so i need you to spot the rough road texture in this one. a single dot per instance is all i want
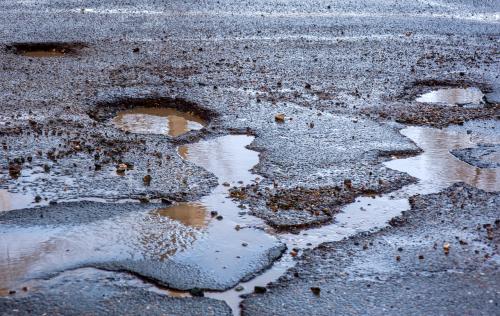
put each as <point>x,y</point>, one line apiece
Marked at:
<point>441,257</point>
<point>102,293</point>
<point>345,74</point>
<point>245,63</point>
<point>482,156</point>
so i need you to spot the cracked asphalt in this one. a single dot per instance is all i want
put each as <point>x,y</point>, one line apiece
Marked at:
<point>345,74</point>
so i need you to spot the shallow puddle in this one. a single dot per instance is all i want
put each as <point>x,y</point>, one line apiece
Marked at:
<point>43,53</point>
<point>161,121</point>
<point>207,237</point>
<point>453,96</point>
<point>215,236</point>
<point>190,214</point>
<point>436,168</point>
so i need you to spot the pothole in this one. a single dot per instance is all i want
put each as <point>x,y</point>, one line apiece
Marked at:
<point>436,168</point>
<point>206,244</point>
<point>161,121</point>
<point>453,96</point>
<point>45,49</point>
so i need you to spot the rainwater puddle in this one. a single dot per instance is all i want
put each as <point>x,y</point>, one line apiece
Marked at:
<point>189,214</point>
<point>42,53</point>
<point>453,96</point>
<point>436,168</point>
<point>215,235</point>
<point>45,50</point>
<point>208,237</point>
<point>161,121</point>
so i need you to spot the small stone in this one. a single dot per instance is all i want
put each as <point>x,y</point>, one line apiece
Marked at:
<point>213,213</point>
<point>147,180</point>
<point>136,50</point>
<point>219,217</point>
<point>398,258</point>
<point>421,257</point>
<point>316,290</point>
<point>237,227</point>
<point>25,288</point>
<point>11,292</point>
<point>239,288</point>
<point>38,198</point>
<point>280,118</point>
<point>446,248</point>
<point>226,184</point>
<point>121,168</point>
<point>259,290</point>
<point>196,292</point>
<point>244,244</point>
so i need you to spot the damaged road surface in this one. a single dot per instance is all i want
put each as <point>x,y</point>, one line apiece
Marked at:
<point>298,157</point>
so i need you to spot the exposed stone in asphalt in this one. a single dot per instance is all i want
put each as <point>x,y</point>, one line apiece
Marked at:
<point>362,274</point>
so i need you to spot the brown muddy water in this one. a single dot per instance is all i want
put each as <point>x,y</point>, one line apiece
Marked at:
<point>43,53</point>
<point>161,121</point>
<point>453,96</point>
<point>189,234</point>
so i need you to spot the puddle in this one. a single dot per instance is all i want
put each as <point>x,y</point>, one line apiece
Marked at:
<point>190,214</point>
<point>12,201</point>
<point>192,235</point>
<point>47,50</point>
<point>161,121</point>
<point>208,238</point>
<point>43,53</point>
<point>453,96</point>
<point>436,168</point>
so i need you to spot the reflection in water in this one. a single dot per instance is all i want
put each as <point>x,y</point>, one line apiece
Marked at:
<point>457,96</point>
<point>190,214</point>
<point>224,156</point>
<point>12,201</point>
<point>154,235</point>
<point>436,168</point>
<point>27,251</point>
<point>181,233</point>
<point>163,121</point>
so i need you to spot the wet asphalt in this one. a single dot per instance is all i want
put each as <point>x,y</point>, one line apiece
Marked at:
<point>345,75</point>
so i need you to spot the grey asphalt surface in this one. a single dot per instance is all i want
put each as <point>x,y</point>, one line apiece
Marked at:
<point>91,292</point>
<point>344,73</point>
<point>403,268</point>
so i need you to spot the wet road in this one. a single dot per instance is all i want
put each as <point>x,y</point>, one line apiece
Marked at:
<point>345,76</point>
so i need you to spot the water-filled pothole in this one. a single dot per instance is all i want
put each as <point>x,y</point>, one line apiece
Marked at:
<point>162,121</point>
<point>453,96</point>
<point>436,168</point>
<point>204,244</point>
<point>228,244</point>
<point>45,49</point>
